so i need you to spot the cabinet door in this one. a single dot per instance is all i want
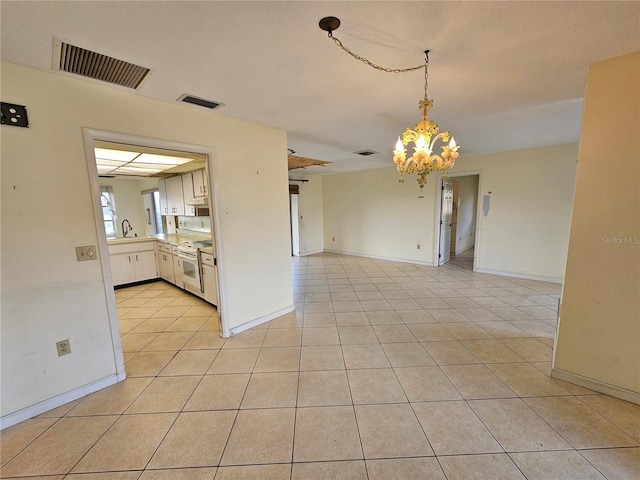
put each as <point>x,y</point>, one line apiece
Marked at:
<point>188,194</point>
<point>145,265</point>
<point>162,189</point>
<point>205,182</point>
<point>166,267</point>
<point>210,284</point>
<point>177,267</point>
<point>122,268</point>
<point>175,198</point>
<point>199,183</point>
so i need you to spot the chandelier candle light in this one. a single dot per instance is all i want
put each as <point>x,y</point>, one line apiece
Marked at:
<point>425,133</point>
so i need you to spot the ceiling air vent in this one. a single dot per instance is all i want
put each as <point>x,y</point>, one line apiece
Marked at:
<point>200,101</point>
<point>79,61</point>
<point>366,153</point>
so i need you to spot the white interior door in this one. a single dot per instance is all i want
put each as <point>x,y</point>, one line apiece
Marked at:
<point>445,221</point>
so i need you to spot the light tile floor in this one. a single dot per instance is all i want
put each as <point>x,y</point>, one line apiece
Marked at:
<point>385,370</point>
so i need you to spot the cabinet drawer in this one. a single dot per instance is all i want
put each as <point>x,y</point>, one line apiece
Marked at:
<point>207,259</point>
<point>174,249</point>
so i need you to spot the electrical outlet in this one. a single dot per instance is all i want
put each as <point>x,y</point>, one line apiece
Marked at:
<point>64,347</point>
<point>88,252</point>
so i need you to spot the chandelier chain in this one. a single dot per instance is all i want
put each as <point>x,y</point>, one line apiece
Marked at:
<point>426,73</point>
<point>378,67</point>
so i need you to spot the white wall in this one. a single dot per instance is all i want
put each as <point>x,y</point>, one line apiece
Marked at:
<point>370,213</point>
<point>129,203</point>
<point>527,229</point>
<point>467,210</point>
<point>598,340</point>
<point>526,232</point>
<point>46,295</point>
<point>310,216</point>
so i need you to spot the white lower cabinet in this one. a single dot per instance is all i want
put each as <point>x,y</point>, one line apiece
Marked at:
<point>133,262</point>
<point>209,278</point>
<point>141,260</point>
<point>166,264</point>
<point>177,267</point>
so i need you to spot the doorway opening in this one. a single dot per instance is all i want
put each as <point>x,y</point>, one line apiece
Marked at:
<point>150,217</point>
<point>457,222</point>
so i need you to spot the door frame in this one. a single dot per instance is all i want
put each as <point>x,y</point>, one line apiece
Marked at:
<point>438,214</point>
<point>295,226</point>
<point>90,136</point>
<point>438,260</point>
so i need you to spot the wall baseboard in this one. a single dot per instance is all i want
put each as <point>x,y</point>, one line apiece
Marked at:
<point>59,400</point>
<point>465,249</point>
<point>310,253</point>
<point>378,257</point>
<point>596,385</point>
<point>520,275</point>
<point>260,320</point>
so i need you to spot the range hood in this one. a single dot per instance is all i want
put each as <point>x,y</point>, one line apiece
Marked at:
<point>198,202</point>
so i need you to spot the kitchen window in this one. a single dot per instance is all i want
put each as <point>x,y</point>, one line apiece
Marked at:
<point>109,215</point>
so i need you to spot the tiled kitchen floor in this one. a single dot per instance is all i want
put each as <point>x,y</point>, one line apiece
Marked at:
<point>386,370</point>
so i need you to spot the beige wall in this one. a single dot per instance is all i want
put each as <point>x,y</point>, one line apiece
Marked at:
<point>526,232</point>
<point>369,213</point>
<point>599,333</point>
<point>47,210</point>
<point>527,229</point>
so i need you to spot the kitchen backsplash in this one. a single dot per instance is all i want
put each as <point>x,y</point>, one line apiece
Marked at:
<point>195,224</point>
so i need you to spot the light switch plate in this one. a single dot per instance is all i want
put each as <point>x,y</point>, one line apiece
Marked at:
<point>87,252</point>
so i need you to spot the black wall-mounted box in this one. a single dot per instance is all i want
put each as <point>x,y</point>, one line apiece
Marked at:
<point>12,114</point>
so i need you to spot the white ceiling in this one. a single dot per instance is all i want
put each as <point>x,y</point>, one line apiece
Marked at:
<point>503,75</point>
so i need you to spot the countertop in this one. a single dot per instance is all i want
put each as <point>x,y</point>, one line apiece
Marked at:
<point>172,238</point>
<point>120,240</point>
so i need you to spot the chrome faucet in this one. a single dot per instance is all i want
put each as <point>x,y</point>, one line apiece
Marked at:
<point>126,228</point>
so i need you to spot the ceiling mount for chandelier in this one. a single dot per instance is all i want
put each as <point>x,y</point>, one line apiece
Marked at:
<point>424,135</point>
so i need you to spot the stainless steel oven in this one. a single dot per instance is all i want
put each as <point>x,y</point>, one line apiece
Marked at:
<point>190,261</point>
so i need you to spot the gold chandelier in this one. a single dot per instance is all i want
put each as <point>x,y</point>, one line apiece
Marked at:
<point>425,133</point>
<point>424,161</point>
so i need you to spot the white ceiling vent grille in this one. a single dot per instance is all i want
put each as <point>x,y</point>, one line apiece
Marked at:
<point>79,61</point>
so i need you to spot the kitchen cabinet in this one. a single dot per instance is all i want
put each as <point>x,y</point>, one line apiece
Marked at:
<point>132,262</point>
<point>166,262</point>
<point>174,195</point>
<point>187,192</point>
<point>200,183</point>
<point>177,267</point>
<point>162,190</point>
<point>209,278</point>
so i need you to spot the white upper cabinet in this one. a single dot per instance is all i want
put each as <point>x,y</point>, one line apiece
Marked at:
<point>187,192</point>
<point>175,197</point>
<point>200,183</point>
<point>162,189</point>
